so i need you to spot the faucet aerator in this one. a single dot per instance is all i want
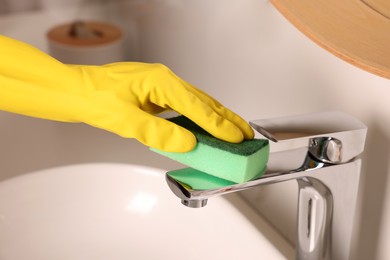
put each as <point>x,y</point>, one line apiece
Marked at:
<point>194,203</point>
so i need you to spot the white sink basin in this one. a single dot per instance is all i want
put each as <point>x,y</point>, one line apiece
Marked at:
<point>116,211</point>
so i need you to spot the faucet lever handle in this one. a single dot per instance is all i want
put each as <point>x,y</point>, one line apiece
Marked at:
<point>331,137</point>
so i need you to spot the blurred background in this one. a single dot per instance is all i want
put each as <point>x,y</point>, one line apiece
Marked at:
<point>242,52</point>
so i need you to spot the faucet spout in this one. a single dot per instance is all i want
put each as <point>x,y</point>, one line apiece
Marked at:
<point>192,198</point>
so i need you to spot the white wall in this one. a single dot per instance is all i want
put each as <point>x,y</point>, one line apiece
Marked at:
<point>249,57</point>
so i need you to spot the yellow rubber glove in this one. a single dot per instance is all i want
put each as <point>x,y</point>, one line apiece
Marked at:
<point>119,97</point>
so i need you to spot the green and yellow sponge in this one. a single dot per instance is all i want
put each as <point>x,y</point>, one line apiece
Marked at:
<point>218,163</point>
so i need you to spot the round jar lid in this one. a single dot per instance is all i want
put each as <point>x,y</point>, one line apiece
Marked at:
<point>84,33</point>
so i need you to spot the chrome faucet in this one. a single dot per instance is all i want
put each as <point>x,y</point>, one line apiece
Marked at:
<point>321,151</point>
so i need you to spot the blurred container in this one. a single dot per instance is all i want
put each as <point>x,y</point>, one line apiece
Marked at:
<point>86,42</point>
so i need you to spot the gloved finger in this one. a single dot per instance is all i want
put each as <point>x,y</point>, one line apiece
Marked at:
<point>220,109</point>
<point>130,121</point>
<point>159,133</point>
<point>224,112</point>
<point>175,96</point>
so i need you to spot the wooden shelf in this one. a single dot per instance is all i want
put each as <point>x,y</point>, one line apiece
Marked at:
<point>357,31</point>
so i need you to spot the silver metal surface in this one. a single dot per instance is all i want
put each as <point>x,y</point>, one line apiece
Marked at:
<point>194,203</point>
<point>321,152</point>
<point>314,129</point>
<point>315,208</point>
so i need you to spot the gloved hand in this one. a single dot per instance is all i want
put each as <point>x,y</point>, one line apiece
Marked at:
<point>118,97</point>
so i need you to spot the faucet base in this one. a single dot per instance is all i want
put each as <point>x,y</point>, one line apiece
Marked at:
<point>315,209</point>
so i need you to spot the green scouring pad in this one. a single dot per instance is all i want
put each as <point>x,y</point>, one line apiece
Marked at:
<point>216,162</point>
<point>198,180</point>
